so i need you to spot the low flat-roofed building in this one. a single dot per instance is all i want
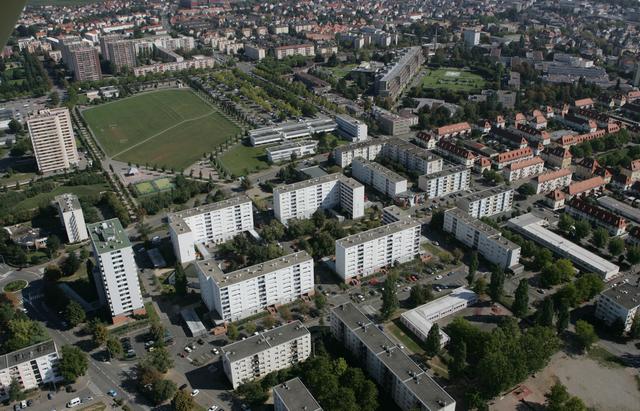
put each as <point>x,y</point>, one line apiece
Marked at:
<point>292,395</point>
<point>533,227</point>
<point>420,319</point>
<point>619,207</point>
<point>249,291</point>
<point>378,176</point>
<point>619,302</point>
<point>391,368</point>
<point>485,203</point>
<point>293,150</point>
<point>482,237</point>
<point>291,130</point>
<point>266,352</point>
<point>191,319</point>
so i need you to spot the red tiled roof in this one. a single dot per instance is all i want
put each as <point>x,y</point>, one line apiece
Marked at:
<point>553,175</point>
<point>453,128</point>
<point>556,195</point>
<point>454,149</point>
<point>583,102</point>
<point>597,212</point>
<point>557,151</point>
<point>525,163</point>
<point>585,185</point>
<point>514,154</point>
<point>635,165</point>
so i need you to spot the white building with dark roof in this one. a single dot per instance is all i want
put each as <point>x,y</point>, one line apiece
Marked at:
<point>619,302</point>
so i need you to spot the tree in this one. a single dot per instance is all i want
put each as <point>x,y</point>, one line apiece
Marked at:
<point>54,99</point>
<point>100,334</point>
<point>162,390</point>
<point>585,334</point>
<point>73,363</point>
<point>250,327</point>
<point>480,286</point>
<point>558,399</point>
<point>53,245</point>
<point>180,280</point>
<point>160,359</point>
<point>419,295</point>
<point>563,317</point>
<point>633,255</point>
<point>545,313</point>
<point>473,267</point>
<point>52,273</point>
<point>582,229</point>
<point>157,331</point>
<point>389,297</point>
<point>521,303</point>
<point>616,246</point>
<point>232,332</point>
<point>566,223</point>
<point>182,401</point>
<point>496,287</point>
<point>285,313</point>
<point>433,343</point>
<point>15,126</point>
<point>70,264</point>
<point>246,183</point>
<point>15,391</point>
<point>319,218</point>
<point>253,393</point>
<point>527,190</point>
<point>320,300</point>
<point>458,363</point>
<point>74,313</point>
<point>114,347</point>
<point>600,237</point>
<point>634,331</point>
<point>618,327</point>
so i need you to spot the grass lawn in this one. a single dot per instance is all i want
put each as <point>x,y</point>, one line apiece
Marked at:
<point>154,186</point>
<point>14,286</point>
<point>144,187</point>
<point>17,177</point>
<point>100,406</point>
<point>408,342</point>
<point>241,159</point>
<point>59,3</point>
<point>604,357</point>
<point>341,71</point>
<point>453,79</point>
<point>45,198</point>
<point>170,128</point>
<point>163,184</point>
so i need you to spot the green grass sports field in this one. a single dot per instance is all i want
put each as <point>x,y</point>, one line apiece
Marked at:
<point>170,128</point>
<point>452,79</point>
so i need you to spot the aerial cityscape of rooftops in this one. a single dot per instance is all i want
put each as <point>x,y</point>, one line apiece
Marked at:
<point>344,206</point>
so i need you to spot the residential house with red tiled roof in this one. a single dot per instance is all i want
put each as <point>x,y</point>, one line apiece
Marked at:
<point>520,119</point>
<point>453,130</point>
<point>513,156</point>
<point>426,139</point>
<point>523,169</point>
<point>555,199</point>
<point>482,163</point>
<point>583,103</point>
<point>553,180</point>
<point>557,156</point>
<point>455,153</point>
<point>632,171</point>
<point>532,134</point>
<point>508,136</point>
<point>500,123</point>
<point>586,187</point>
<point>582,209</point>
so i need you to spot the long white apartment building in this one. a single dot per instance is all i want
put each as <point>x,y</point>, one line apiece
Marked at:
<point>291,130</point>
<point>420,319</point>
<point>54,144</point>
<point>289,151</point>
<point>388,365</point>
<point>292,395</point>
<point>378,176</point>
<point>208,224</point>
<point>369,150</point>
<point>71,217</point>
<point>265,352</point>
<point>523,169</point>
<point>350,128</point>
<point>488,202</point>
<point>553,180</point>
<point>116,273</point>
<point>413,158</point>
<point>31,366</point>
<point>364,253</point>
<point>300,200</point>
<point>619,302</point>
<point>534,228</point>
<point>445,182</point>
<point>487,240</point>
<point>248,291</point>
<point>398,74</point>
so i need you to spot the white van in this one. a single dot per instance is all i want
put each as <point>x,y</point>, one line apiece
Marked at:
<point>73,402</point>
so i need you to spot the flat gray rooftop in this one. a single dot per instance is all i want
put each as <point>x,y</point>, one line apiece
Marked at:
<point>618,207</point>
<point>176,220</point>
<point>108,236</point>
<point>380,169</point>
<point>447,172</point>
<point>315,181</point>
<point>67,202</point>
<point>264,340</point>
<point>377,232</point>
<point>210,268</point>
<point>493,191</point>
<point>626,295</point>
<point>295,396</point>
<point>27,354</point>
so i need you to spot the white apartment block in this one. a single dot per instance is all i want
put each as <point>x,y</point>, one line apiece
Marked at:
<point>254,52</point>
<point>300,200</point>
<point>378,176</point>
<point>71,217</point>
<point>369,150</point>
<point>351,129</point>
<point>54,144</point>
<point>619,302</point>
<point>31,366</point>
<point>248,291</point>
<point>208,224</point>
<point>116,273</point>
<point>445,182</point>
<point>364,253</point>
<point>553,180</point>
<point>196,62</point>
<point>523,169</point>
<point>294,50</point>
<point>413,158</point>
<point>388,365</point>
<point>292,395</point>
<point>488,202</point>
<point>285,152</point>
<point>268,351</point>
<point>479,236</point>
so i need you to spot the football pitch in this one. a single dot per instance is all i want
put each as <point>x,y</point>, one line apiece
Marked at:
<point>170,128</point>
<point>154,186</point>
<point>452,79</point>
